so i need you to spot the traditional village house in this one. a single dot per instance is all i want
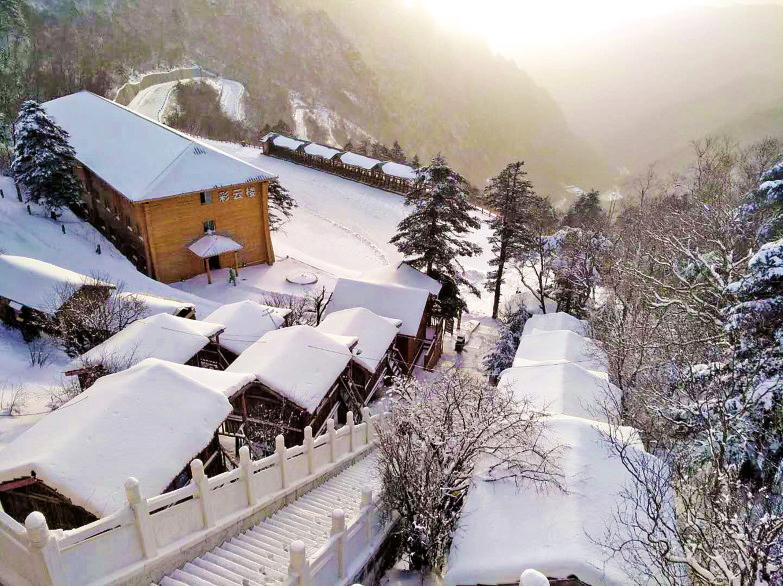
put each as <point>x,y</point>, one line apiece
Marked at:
<point>560,346</point>
<point>375,355</point>
<point>305,379</point>
<point>148,422</point>
<point>404,275</point>
<point>506,527</point>
<point>548,322</point>
<point>156,192</point>
<point>421,332</point>
<point>33,292</point>
<point>162,336</point>
<point>245,323</point>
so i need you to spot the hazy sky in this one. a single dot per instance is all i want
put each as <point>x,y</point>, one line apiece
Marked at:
<point>519,27</point>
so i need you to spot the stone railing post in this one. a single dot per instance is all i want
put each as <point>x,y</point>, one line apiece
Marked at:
<point>368,428</point>
<point>351,430</point>
<point>281,460</point>
<point>203,493</point>
<point>332,440</point>
<point>338,532</point>
<point>366,509</point>
<point>298,567</point>
<point>141,514</point>
<point>533,578</point>
<point>246,474</point>
<point>46,554</point>
<point>309,449</point>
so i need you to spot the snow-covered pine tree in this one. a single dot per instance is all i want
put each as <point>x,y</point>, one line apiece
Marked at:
<point>280,204</point>
<point>510,196</point>
<point>586,212</point>
<point>415,163</point>
<point>44,162</point>
<point>512,323</point>
<point>432,236</point>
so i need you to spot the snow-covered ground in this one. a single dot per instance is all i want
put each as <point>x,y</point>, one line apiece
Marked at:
<point>154,100</point>
<point>340,229</point>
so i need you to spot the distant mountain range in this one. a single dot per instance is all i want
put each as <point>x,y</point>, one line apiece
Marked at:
<point>641,93</point>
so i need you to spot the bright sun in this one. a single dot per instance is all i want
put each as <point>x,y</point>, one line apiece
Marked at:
<point>511,26</point>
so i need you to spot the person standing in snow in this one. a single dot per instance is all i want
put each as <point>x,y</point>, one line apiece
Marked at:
<point>232,277</point>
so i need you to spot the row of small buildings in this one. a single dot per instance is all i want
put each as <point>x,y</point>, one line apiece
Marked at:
<point>507,527</point>
<point>387,175</point>
<point>169,388</point>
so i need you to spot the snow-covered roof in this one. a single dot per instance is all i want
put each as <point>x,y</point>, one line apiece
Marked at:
<point>406,304</point>
<point>505,529</point>
<point>38,284</point>
<point>147,422</point>
<point>139,157</point>
<point>154,305</point>
<point>560,320</point>
<point>560,345</point>
<point>562,389</point>
<point>376,333</point>
<point>162,336</point>
<point>299,363</point>
<point>245,322</point>
<point>403,275</point>
<point>399,170</point>
<point>287,143</point>
<point>319,150</point>
<point>358,160</point>
<point>213,244</point>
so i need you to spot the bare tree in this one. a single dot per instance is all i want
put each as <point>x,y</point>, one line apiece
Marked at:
<point>299,313</point>
<point>86,315</point>
<point>12,399</point>
<point>432,444</point>
<point>533,262</point>
<point>317,303</point>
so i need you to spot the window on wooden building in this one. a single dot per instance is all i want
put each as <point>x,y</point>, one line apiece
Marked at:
<point>206,197</point>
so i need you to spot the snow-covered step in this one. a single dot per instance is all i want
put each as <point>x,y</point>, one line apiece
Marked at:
<point>260,555</point>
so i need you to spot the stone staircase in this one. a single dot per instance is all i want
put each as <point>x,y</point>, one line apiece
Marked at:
<point>260,556</point>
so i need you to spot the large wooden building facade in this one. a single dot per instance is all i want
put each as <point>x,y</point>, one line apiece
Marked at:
<point>155,192</point>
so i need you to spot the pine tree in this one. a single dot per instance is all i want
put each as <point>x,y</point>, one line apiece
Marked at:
<point>432,237</point>
<point>280,204</point>
<point>511,325</point>
<point>44,162</point>
<point>397,154</point>
<point>509,195</point>
<point>586,212</point>
<point>415,163</point>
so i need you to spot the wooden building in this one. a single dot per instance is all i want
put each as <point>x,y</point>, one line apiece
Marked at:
<point>245,322</point>
<point>420,337</point>
<point>154,191</point>
<point>162,336</point>
<point>386,175</point>
<point>376,354</point>
<point>148,422</point>
<point>34,292</point>
<point>305,379</point>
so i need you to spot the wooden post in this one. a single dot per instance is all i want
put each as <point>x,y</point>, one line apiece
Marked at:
<point>332,439</point>
<point>43,547</point>
<point>351,428</point>
<point>236,262</point>
<point>141,514</point>
<point>368,430</point>
<point>338,531</point>
<point>209,273</point>
<point>365,508</point>
<point>246,474</point>
<point>281,460</point>
<point>309,449</point>
<point>298,567</point>
<point>203,494</point>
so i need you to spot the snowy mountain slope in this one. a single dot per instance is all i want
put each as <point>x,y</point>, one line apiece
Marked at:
<point>155,101</point>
